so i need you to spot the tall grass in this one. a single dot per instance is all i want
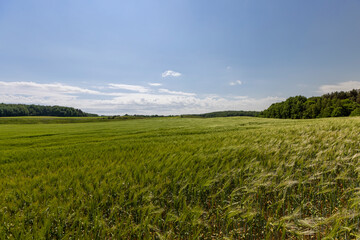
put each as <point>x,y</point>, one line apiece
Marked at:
<point>173,178</point>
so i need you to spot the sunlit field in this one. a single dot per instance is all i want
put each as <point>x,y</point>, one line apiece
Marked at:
<point>179,178</point>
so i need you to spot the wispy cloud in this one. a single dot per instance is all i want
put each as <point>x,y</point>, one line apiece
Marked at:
<point>155,84</point>
<point>135,88</point>
<point>163,90</point>
<point>237,82</point>
<point>47,88</point>
<point>343,86</point>
<point>228,68</point>
<point>170,73</point>
<point>164,101</point>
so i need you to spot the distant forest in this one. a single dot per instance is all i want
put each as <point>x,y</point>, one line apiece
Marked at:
<point>12,110</point>
<point>336,104</point>
<point>223,114</point>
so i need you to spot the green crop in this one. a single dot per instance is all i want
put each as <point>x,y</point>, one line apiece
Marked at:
<point>181,178</point>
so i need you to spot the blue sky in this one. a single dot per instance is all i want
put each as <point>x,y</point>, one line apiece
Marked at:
<point>174,57</point>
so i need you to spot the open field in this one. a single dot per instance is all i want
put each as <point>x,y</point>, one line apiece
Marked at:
<point>49,120</point>
<point>179,178</point>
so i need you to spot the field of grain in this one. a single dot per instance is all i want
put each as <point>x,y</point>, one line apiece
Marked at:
<point>178,178</point>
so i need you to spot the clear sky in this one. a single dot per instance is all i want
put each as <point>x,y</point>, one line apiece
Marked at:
<point>176,56</point>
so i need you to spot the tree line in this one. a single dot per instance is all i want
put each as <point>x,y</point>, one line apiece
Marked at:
<point>13,110</point>
<point>223,114</point>
<point>336,104</point>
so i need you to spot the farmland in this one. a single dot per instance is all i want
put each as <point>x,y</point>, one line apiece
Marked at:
<point>180,178</point>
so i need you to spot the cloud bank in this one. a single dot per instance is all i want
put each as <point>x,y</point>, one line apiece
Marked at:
<point>120,99</point>
<point>343,86</point>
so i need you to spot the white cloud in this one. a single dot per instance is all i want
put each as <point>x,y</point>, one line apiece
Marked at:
<point>343,86</point>
<point>163,90</point>
<point>170,73</point>
<point>228,68</point>
<point>164,102</point>
<point>237,82</point>
<point>135,88</point>
<point>155,84</point>
<point>28,87</point>
<point>138,103</point>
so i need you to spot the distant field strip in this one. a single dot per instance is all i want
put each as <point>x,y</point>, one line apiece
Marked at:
<point>180,178</point>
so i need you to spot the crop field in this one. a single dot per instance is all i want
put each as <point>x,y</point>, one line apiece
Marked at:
<point>181,178</point>
<point>46,119</point>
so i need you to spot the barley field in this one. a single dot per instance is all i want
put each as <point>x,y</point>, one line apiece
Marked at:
<point>180,178</point>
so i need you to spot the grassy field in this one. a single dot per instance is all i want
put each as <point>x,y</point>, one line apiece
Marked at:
<point>178,178</point>
<point>52,120</point>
